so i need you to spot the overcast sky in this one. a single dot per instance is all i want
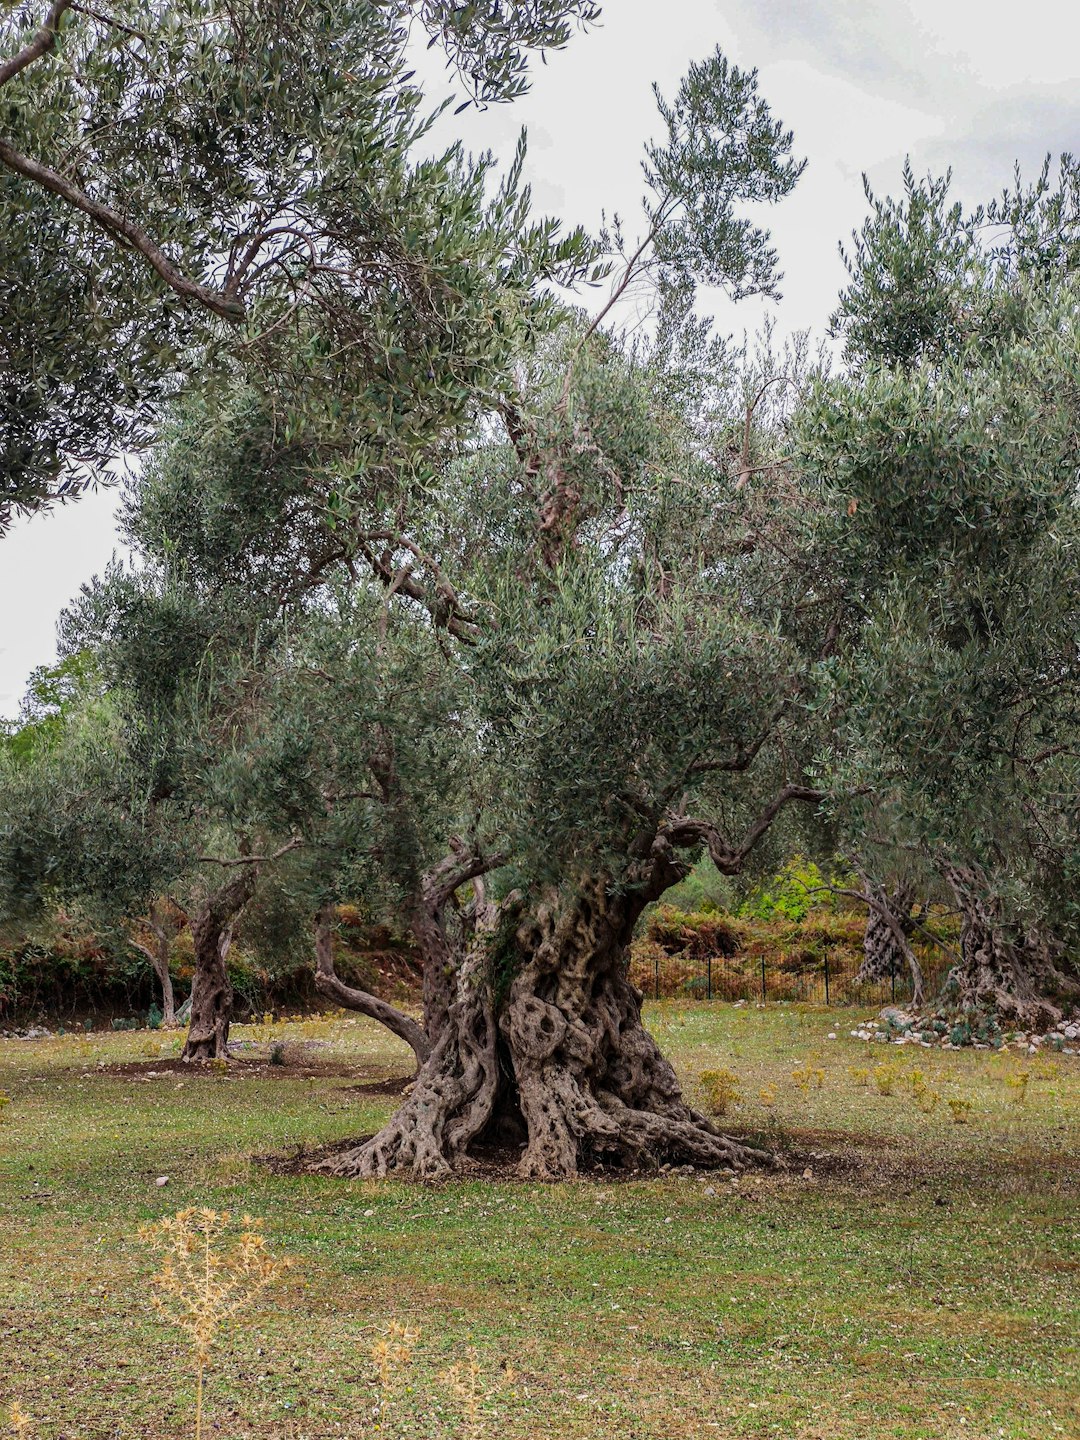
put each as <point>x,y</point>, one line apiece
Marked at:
<point>975,84</point>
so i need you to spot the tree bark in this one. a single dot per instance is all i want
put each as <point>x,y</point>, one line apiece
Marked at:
<point>558,1056</point>
<point>328,984</point>
<point>887,947</point>
<point>1005,969</point>
<point>211,990</point>
<point>158,955</point>
<point>542,1037</point>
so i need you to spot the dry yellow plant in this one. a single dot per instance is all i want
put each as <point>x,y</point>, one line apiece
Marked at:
<point>806,1076</point>
<point>767,1095</point>
<point>203,1279</point>
<point>1019,1083</point>
<point>392,1353</point>
<point>5,1099</point>
<point>960,1109</point>
<point>860,1074</point>
<point>20,1421</point>
<point>885,1078</point>
<point>464,1382</point>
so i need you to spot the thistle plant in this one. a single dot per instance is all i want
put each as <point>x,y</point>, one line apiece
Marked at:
<point>392,1354</point>
<point>203,1280</point>
<point>464,1381</point>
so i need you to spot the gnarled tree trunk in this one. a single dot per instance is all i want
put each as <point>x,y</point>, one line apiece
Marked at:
<point>886,946</point>
<point>542,1037</point>
<point>1005,969</point>
<point>211,989</point>
<point>558,1056</point>
<point>328,984</point>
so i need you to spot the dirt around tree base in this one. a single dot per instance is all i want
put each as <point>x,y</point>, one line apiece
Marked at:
<point>258,1067</point>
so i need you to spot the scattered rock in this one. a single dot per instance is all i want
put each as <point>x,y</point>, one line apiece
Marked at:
<point>161,1180</point>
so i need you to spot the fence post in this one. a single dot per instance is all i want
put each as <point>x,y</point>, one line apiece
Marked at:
<point>763,979</point>
<point>708,979</point>
<point>827,1000</point>
<point>656,974</point>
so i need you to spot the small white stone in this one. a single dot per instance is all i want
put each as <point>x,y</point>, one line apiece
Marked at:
<point>832,1034</point>
<point>161,1180</point>
<point>368,1214</point>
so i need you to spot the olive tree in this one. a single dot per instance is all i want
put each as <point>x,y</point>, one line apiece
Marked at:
<point>948,452</point>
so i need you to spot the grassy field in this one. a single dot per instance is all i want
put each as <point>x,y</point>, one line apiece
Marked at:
<point>904,1275</point>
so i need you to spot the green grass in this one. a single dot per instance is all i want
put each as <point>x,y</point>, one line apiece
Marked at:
<point>924,1281</point>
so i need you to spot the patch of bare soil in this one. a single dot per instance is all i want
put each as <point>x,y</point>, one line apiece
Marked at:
<point>248,1067</point>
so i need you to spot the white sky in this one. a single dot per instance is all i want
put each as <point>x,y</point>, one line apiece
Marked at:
<point>975,84</point>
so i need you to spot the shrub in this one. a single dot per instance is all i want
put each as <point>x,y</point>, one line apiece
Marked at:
<point>692,933</point>
<point>721,1090</point>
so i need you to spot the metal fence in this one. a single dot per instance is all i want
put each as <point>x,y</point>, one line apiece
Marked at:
<point>763,978</point>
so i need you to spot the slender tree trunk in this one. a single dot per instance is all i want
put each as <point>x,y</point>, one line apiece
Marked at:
<point>558,1055</point>
<point>1005,970</point>
<point>161,968</point>
<point>211,990</point>
<point>328,984</point>
<point>158,955</point>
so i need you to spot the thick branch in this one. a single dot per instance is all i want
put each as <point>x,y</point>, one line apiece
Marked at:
<point>328,984</point>
<point>292,844</point>
<point>119,227</point>
<point>682,831</point>
<point>41,43</point>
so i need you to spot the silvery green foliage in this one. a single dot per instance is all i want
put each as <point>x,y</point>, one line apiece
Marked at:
<point>952,489</point>
<point>929,280</point>
<point>503,579</point>
<point>184,187</point>
<point>723,149</point>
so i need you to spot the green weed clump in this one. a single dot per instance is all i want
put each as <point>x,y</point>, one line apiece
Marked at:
<point>886,1077</point>
<point>925,1098</point>
<point>721,1090</point>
